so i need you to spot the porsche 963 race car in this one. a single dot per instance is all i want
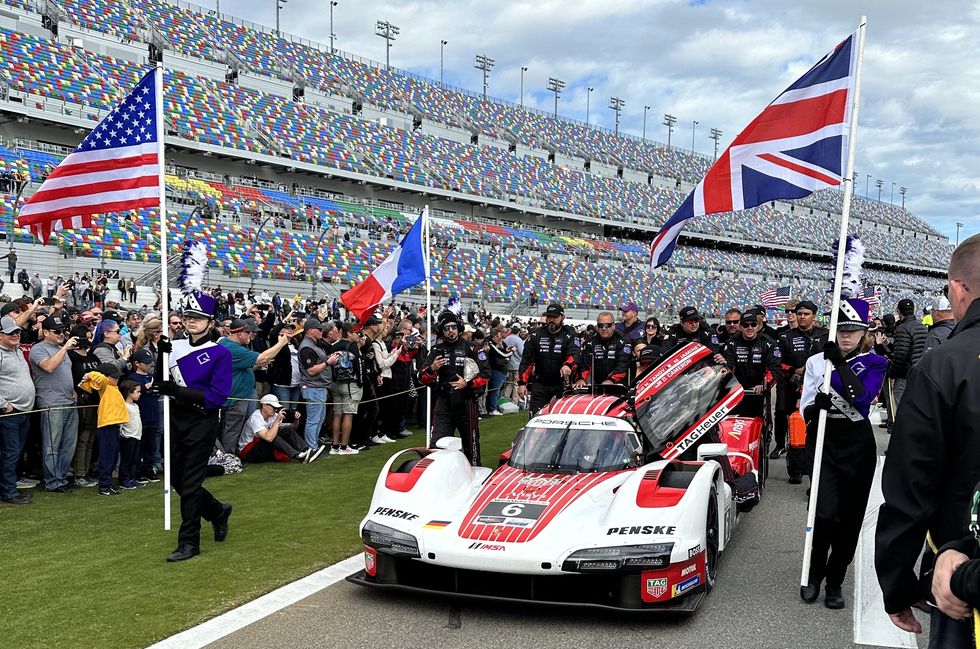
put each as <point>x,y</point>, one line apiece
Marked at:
<point>623,502</point>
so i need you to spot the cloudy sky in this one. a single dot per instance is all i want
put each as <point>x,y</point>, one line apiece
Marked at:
<point>716,62</point>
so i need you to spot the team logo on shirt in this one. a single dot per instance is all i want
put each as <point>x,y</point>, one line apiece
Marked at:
<point>203,358</point>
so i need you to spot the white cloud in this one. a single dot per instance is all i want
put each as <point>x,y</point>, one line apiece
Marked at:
<point>718,62</point>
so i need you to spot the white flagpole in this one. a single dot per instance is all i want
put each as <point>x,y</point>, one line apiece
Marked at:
<point>835,305</point>
<point>428,322</point>
<point>164,286</point>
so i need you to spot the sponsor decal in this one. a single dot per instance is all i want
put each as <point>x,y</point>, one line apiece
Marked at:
<point>436,525</point>
<point>506,509</point>
<point>686,585</point>
<point>491,520</point>
<point>370,561</point>
<point>395,513</point>
<point>695,551</point>
<point>487,546</point>
<point>667,530</point>
<point>540,481</point>
<point>689,569</point>
<point>738,427</point>
<point>657,587</point>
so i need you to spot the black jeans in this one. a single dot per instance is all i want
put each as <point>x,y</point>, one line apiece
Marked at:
<point>450,414</point>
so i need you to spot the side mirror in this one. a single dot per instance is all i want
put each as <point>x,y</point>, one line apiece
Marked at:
<point>708,451</point>
<point>456,444</point>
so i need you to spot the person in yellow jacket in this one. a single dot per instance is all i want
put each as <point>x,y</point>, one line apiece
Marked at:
<point>112,412</point>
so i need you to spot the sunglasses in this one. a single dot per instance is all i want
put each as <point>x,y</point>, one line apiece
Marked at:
<point>731,322</point>
<point>605,325</point>
<point>449,327</point>
<point>651,326</point>
<point>749,323</point>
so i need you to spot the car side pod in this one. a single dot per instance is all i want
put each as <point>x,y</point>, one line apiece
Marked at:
<point>711,451</point>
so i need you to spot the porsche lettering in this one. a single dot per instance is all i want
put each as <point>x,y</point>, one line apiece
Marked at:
<point>667,530</point>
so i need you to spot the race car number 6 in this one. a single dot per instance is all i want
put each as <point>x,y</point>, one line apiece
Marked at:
<point>513,509</point>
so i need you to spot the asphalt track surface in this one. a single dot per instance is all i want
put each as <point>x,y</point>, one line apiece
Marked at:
<point>755,604</point>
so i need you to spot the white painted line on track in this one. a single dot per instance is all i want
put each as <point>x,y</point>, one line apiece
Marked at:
<point>227,623</point>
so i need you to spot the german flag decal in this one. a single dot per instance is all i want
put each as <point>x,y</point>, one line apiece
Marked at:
<point>436,525</point>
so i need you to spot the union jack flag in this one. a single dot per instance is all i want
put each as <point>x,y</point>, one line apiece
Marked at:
<point>775,297</point>
<point>796,146</point>
<point>115,168</point>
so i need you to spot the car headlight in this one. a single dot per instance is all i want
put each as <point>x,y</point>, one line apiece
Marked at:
<point>389,540</point>
<point>622,557</point>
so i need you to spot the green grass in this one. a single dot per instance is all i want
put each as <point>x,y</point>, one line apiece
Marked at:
<point>80,570</point>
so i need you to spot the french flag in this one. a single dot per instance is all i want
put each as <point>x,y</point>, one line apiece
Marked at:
<point>405,267</point>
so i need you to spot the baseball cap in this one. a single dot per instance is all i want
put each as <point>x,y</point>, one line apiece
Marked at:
<point>628,306</point>
<point>807,305</point>
<point>689,313</point>
<point>9,307</point>
<point>112,315</point>
<point>750,315</point>
<point>109,369</point>
<point>942,304</point>
<point>240,325</point>
<point>554,309</point>
<point>311,323</point>
<point>371,321</point>
<point>515,326</point>
<point>8,325</point>
<point>271,400</point>
<point>906,306</point>
<point>142,356</point>
<point>54,323</point>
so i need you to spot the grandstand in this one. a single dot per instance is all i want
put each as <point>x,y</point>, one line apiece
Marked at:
<point>264,127</point>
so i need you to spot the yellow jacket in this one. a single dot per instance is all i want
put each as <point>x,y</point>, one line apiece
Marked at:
<point>112,406</point>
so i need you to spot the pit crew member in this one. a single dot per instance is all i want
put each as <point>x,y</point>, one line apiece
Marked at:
<point>551,356</point>
<point>455,405</point>
<point>755,361</point>
<point>606,357</point>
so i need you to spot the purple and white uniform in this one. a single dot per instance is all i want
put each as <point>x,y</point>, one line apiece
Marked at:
<point>868,367</point>
<point>206,367</point>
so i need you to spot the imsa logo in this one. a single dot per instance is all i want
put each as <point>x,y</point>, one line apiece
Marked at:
<point>487,546</point>
<point>656,588</point>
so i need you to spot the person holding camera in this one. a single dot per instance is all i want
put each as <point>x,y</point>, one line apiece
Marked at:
<point>445,368</point>
<point>55,389</point>
<point>268,437</point>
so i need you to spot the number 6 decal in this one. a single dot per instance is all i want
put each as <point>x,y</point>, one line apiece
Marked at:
<point>513,509</point>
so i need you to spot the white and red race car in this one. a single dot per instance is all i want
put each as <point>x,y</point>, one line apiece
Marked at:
<point>621,502</point>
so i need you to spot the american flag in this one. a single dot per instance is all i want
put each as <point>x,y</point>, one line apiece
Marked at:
<point>872,297</point>
<point>796,146</point>
<point>115,168</point>
<point>775,297</point>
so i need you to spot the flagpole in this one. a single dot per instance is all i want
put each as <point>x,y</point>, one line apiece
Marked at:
<point>428,322</point>
<point>164,285</point>
<point>835,305</point>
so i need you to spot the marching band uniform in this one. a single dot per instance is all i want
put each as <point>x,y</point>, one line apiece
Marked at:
<point>849,452</point>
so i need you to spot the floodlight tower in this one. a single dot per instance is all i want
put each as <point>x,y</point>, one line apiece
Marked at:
<point>556,86</point>
<point>645,109</point>
<point>879,183</point>
<point>484,63</point>
<point>617,106</point>
<point>715,135</point>
<point>279,5</point>
<point>333,36</point>
<point>389,32</point>
<point>902,191</point>
<point>669,121</point>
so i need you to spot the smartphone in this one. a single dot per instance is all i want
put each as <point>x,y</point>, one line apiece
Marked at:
<point>49,301</point>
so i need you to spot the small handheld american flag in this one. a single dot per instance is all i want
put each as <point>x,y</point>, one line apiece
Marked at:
<point>775,297</point>
<point>115,168</point>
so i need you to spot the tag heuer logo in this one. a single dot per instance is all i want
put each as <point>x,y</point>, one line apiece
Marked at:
<point>369,563</point>
<point>656,587</point>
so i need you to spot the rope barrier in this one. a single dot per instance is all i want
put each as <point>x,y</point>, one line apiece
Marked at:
<point>322,403</point>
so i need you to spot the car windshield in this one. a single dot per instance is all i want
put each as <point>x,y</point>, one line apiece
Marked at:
<point>574,450</point>
<point>681,403</point>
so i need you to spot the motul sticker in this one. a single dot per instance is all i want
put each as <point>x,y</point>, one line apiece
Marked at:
<point>657,587</point>
<point>370,561</point>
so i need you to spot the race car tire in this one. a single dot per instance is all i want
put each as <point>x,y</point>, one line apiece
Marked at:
<point>712,532</point>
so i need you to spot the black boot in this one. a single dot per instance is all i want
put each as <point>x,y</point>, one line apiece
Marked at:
<point>833,597</point>
<point>809,593</point>
<point>220,524</point>
<point>183,553</point>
